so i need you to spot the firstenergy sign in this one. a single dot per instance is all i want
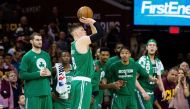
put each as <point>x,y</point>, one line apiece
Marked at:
<point>169,9</point>
<point>162,12</point>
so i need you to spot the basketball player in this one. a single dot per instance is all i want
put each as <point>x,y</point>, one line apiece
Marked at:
<point>99,74</point>
<point>153,67</point>
<point>81,87</point>
<point>59,103</point>
<point>125,71</point>
<point>115,58</point>
<point>35,70</point>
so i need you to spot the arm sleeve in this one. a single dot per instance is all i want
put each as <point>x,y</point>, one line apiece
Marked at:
<point>99,34</point>
<point>24,74</point>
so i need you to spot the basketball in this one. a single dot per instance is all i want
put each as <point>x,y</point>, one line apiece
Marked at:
<point>85,11</point>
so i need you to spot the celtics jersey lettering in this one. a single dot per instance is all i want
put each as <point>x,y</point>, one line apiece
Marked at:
<point>154,74</point>
<point>82,63</point>
<point>127,73</point>
<point>153,68</point>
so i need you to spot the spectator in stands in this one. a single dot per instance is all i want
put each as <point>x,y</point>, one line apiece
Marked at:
<point>24,31</point>
<point>17,59</point>
<point>6,94</point>
<point>17,47</point>
<point>17,90</point>
<point>181,92</point>
<point>6,43</point>
<point>185,66</point>
<point>169,83</point>
<point>54,50</point>
<point>53,30</point>
<point>57,17</point>
<point>7,65</point>
<point>24,28</point>
<point>46,39</point>
<point>21,102</point>
<point>61,43</point>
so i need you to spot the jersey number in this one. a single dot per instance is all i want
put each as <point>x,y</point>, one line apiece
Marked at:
<point>74,64</point>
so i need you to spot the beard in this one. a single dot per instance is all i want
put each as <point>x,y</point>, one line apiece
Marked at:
<point>37,46</point>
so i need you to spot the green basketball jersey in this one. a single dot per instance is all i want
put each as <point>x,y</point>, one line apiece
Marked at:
<point>109,63</point>
<point>112,60</point>
<point>98,75</point>
<point>152,68</point>
<point>82,63</point>
<point>69,76</point>
<point>127,73</point>
<point>31,64</point>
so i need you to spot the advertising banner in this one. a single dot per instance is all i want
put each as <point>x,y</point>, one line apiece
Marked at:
<point>162,12</point>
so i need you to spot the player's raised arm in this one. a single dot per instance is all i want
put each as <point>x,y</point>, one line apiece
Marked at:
<point>97,30</point>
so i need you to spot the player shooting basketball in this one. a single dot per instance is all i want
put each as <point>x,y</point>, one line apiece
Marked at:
<point>81,87</point>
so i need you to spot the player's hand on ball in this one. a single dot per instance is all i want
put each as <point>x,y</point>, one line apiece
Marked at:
<point>88,21</point>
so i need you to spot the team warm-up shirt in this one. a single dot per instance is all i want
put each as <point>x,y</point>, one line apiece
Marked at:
<point>98,74</point>
<point>127,73</point>
<point>31,64</point>
<point>82,63</point>
<point>109,62</point>
<point>153,69</point>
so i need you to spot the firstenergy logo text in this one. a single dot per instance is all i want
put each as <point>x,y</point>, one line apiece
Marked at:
<point>169,9</point>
